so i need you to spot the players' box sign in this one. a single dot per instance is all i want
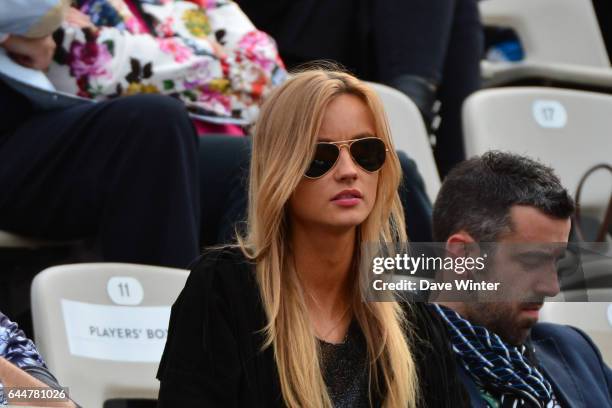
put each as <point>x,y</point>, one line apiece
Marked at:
<point>117,333</point>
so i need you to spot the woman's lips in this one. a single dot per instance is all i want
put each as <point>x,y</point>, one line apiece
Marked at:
<point>347,202</point>
<point>348,198</point>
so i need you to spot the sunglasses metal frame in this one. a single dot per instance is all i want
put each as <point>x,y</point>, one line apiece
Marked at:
<point>348,143</point>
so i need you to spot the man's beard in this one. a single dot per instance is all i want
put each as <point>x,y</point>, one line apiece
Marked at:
<point>503,319</point>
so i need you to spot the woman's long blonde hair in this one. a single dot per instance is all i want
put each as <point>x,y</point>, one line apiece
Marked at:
<point>283,145</point>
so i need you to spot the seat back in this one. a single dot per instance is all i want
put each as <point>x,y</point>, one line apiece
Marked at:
<point>594,318</point>
<point>565,129</point>
<point>102,327</point>
<point>409,134</point>
<point>551,31</point>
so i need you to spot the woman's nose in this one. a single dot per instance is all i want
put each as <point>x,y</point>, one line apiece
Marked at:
<point>346,167</point>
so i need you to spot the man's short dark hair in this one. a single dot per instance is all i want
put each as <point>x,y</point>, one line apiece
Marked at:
<point>477,195</point>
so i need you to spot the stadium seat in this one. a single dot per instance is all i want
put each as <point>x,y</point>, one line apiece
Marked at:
<point>574,56</point>
<point>102,327</point>
<point>565,129</point>
<point>409,134</point>
<point>538,25</point>
<point>594,318</point>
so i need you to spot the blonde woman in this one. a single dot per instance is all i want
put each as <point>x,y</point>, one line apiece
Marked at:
<point>279,319</point>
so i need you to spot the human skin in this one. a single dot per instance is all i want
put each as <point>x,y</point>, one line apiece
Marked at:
<point>35,53</point>
<point>523,264</point>
<point>323,225</point>
<point>12,376</point>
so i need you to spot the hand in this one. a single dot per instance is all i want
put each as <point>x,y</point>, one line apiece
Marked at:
<point>219,50</point>
<point>75,17</point>
<point>35,53</point>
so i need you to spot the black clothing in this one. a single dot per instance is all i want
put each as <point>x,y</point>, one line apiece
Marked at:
<point>345,369</point>
<point>415,201</point>
<point>224,183</point>
<point>388,41</point>
<point>603,9</point>
<point>213,355</point>
<point>123,172</point>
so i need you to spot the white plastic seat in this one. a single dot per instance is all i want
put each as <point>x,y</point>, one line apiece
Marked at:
<point>560,38</point>
<point>594,318</point>
<point>101,327</point>
<point>551,31</point>
<point>565,129</point>
<point>409,134</point>
<point>561,75</point>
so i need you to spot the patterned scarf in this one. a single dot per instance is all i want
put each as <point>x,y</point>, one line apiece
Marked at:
<point>495,365</point>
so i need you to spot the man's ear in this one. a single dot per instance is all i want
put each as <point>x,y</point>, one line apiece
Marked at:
<point>459,244</point>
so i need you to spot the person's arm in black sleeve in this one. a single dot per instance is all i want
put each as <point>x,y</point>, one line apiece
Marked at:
<point>200,365</point>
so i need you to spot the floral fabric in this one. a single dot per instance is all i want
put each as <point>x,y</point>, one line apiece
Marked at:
<point>205,52</point>
<point>16,347</point>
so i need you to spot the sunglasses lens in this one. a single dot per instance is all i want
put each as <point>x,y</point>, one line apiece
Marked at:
<point>369,153</point>
<point>324,159</point>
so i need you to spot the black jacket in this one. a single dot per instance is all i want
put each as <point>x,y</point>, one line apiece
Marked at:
<point>213,355</point>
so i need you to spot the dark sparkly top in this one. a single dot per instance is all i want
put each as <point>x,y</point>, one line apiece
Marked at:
<point>345,370</point>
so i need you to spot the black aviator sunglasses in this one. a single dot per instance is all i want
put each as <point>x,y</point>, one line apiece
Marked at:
<point>369,153</point>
